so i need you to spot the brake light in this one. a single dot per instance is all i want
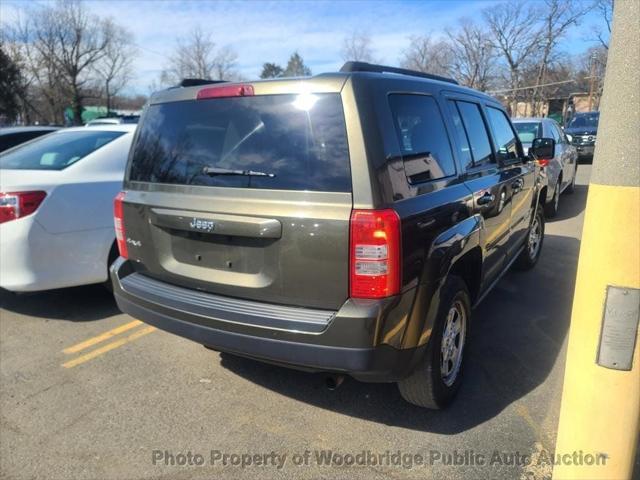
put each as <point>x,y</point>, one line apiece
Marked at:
<point>374,252</point>
<point>15,205</point>
<point>543,162</point>
<point>118,220</point>
<point>225,91</point>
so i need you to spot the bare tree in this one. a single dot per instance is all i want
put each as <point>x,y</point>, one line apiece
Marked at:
<point>196,56</point>
<point>224,64</point>
<point>473,56</point>
<point>116,67</point>
<point>427,55</point>
<point>357,47</point>
<point>605,7</point>
<point>558,17</point>
<point>76,41</point>
<point>516,37</point>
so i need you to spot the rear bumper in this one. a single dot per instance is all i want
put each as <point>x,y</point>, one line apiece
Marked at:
<point>32,259</point>
<point>346,344</point>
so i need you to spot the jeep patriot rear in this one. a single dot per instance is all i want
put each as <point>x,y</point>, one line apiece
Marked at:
<point>343,223</point>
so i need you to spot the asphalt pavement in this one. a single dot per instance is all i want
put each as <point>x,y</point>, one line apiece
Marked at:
<point>87,392</point>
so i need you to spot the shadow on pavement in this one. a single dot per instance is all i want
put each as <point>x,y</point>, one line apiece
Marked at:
<point>516,336</point>
<point>78,304</point>
<point>571,204</point>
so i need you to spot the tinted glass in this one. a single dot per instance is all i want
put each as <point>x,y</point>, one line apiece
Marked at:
<point>476,132</point>
<point>57,151</point>
<point>423,139</point>
<point>585,120</point>
<point>464,149</point>
<point>505,139</point>
<point>299,139</point>
<point>12,139</point>
<point>528,131</point>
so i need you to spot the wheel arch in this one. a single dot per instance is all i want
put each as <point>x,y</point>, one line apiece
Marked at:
<point>456,250</point>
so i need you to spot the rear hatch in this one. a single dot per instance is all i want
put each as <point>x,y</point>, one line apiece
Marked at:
<point>246,196</point>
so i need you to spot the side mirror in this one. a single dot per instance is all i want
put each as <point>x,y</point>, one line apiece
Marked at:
<point>543,148</point>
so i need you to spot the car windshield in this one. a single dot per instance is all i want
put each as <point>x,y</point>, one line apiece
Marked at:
<point>528,131</point>
<point>56,151</point>
<point>587,120</point>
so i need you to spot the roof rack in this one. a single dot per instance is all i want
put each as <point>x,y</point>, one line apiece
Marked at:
<point>192,82</point>
<point>370,67</point>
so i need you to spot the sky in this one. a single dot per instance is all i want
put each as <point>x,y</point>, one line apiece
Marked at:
<point>269,31</point>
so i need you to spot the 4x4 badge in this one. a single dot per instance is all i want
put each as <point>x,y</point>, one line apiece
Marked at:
<point>135,243</point>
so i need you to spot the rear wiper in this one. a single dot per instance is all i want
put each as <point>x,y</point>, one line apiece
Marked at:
<point>213,171</point>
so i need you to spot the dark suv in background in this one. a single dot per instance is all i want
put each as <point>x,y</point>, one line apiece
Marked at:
<point>582,130</point>
<point>344,223</point>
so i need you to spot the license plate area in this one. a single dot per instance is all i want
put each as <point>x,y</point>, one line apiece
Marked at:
<point>220,252</point>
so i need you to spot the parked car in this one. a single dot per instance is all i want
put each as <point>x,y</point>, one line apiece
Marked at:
<point>56,221</point>
<point>12,136</point>
<point>124,119</point>
<point>560,171</point>
<point>344,223</point>
<point>582,131</point>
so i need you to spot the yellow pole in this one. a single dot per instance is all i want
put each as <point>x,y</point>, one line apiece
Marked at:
<point>600,411</point>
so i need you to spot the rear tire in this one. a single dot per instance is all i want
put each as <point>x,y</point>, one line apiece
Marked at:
<point>551,208</point>
<point>572,186</point>
<point>533,244</point>
<point>435,381</point>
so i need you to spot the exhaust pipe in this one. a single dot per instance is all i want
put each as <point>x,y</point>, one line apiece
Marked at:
<point>334,381</point>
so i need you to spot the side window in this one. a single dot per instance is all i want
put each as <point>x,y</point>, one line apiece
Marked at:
<point>476,133</point>
<point>505,137</point>
<point>464,149</point>
<point>556,133</point>
<point>423,139</point>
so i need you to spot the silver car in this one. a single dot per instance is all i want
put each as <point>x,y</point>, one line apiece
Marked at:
<point>560,170</point>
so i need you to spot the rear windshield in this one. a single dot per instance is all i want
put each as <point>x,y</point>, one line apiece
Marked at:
<point>56,151</point>
<point>298,142</point>
<point>528,131</point>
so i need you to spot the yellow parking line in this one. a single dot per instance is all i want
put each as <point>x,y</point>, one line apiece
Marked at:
<point>108,347</point>
<point>524,413</point>
<point>104,336</point>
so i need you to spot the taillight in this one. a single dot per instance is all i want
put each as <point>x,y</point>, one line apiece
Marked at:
<point>543,162</point>
<point>225,91</point>
<point>19,204</point>
<point>374,253</point>
<point>118,220</point>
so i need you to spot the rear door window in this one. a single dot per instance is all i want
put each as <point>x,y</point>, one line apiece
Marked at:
<point>298,142</point>
<point>56,151</point>
<point>422,136</point>
<point>473,135</point>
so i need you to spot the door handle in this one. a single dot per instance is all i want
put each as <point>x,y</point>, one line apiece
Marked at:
<point>426,223</point>
<point>485,199</point>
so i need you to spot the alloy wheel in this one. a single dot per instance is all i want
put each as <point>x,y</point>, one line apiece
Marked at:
<point>535,237</point>
<point>452,343</point>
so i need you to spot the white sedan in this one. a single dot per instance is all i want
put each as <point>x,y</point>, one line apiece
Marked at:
<point>56,207</point>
